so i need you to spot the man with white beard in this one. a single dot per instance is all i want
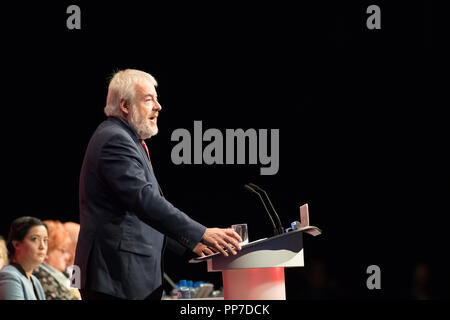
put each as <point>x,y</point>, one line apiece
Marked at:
<point>124,218</point>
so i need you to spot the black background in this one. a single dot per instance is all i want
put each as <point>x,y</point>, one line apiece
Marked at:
<point>362,126</point>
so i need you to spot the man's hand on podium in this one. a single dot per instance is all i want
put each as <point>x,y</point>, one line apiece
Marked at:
<point>202,249</point>
<point>221,240</point>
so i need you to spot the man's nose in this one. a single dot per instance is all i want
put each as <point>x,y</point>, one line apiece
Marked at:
<point>157,106</point>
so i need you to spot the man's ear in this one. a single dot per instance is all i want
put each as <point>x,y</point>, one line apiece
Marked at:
<point>124,106</point>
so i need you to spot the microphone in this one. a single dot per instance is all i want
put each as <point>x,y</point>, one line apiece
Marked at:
<point>275,230</point>
<point>280,226</point>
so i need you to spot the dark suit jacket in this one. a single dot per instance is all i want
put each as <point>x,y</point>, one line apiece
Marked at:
<point>124,217</point>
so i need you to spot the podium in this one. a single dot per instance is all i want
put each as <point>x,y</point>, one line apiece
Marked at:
<point>257,271</point>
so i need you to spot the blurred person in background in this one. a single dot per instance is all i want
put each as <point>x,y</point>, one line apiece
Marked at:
<point>420,284</point>
<point>55,282</point>
<point>3,253</point>
<point>27,248</point>
<point>73,229</point>
<point>317,281</point>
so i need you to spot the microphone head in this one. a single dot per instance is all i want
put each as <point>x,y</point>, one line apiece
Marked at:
<point>255,186</point>
<point>246,186</point>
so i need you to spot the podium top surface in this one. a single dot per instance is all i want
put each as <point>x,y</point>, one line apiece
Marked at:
<point>248,245</point>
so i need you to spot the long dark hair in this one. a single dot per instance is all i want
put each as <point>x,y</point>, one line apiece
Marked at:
<point>19,229</point>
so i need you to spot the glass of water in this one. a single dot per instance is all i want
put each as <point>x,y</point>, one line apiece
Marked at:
<point>242,230</point>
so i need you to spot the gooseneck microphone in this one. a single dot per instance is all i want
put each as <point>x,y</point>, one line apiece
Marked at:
<point>275,230</point>
<point>280,226</point>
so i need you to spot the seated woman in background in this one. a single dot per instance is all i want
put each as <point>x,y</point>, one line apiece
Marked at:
<point>27,248</point>
<point>51,274</point>
<point>73,229</point>
<point>3,253</point>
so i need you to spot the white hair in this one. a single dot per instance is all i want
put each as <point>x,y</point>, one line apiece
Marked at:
<point>122,86</point>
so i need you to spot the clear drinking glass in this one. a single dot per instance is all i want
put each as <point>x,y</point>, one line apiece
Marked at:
<point>242,230</point>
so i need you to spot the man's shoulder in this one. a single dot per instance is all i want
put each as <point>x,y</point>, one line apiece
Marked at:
<point>113,129</point>
<point>112,125</point>
<point>111,136</point>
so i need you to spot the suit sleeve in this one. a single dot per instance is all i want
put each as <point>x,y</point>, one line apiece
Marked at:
<point>10,287</point>
<point>122,168</point>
